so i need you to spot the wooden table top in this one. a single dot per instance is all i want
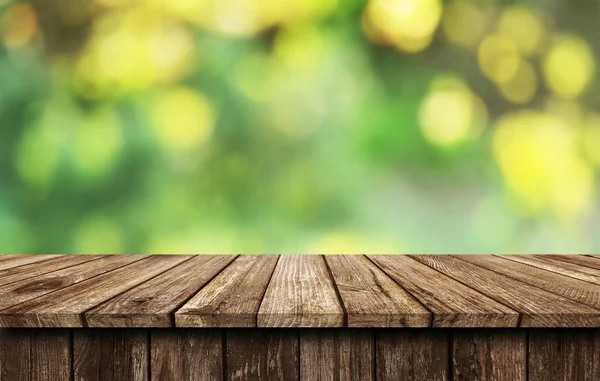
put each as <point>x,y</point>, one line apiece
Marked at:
<point>299,291</point>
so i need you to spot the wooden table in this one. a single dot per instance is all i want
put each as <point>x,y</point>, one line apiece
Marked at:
<point>376,317</point>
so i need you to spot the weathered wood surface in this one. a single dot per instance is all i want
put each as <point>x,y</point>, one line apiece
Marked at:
<point>299,291</point>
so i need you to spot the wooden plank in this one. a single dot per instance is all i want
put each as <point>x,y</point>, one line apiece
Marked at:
<point>39,268</point>
<point>110,354</point>
<point>540,308</point>
<point>412,355</point>
<point>261,354</point>
<point>31,288</point>
<point>186,354</point>
<point>152,303</point>
<point>371,298</point>
<point>574,289</point>
<point>490,354</point>
<point>453,304</point>
<point>342,355</point>
<point>35,355</point>
<point>232,298</point>
<point>10,261</point>
<point>65,307</point>
<point>581,260</point>
<point>580,270</point>
<point>301,294</point>
<point>564,355</point>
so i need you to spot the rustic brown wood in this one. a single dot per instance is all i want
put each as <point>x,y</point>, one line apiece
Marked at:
<point>152,303</point>
<point>31,270</point>
<point>300,294</point>
<point>540,308</point>
<point>35,355</point>
<point>412,355</point>
<point>186,354</point>
<point>110,354</point>
<point>11,261</point>
<point>261,354</point>
<point>232,298</point>
<point>453,304</point>
<point>65,307</point>
<point>581,270</point>
<point>574,289</point>
<point>560,355</point>
<point>371,298</point>
<point>31,288</point>
<point>490,354</point>
<point>342,355</point>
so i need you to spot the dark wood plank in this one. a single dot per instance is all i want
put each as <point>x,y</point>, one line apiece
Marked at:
<point>152,303</point>
<point>574,289</point>
<point>539,308</point>
<point>580,270</point>
<point>412,355</point>
<point>490,354</point>
<point>39,268</point>
<point>261,354</point>
<point>110,354</point>
<point>65,307</point>
<point>371,298</point>
<point>10,260</point>
<point>453,304</point>
<point>341,355</point>
<point>301,294</point>
<point>35,355</point>
<point>232,298</point>
<point>186,354</point>
<point>561,355</point>
<point>31,288</point>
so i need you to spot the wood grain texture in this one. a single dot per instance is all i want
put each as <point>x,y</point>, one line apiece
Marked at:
<point>35,355</point>
<point>412,355</point>
<point>10,261</point>
<point>261,355</point>
<point>232,298</point>
<point>453,304</point>
<point>300,294</point>
<point>539,308</point>
<point>186,354</point>
<point>581,269</point>
<point>371,298</point>
<point>65,307</point>
<point>31,270</point>
<point>110,354</point>
<point>340,355</point>
<point>152,303</point>
<point>489,355</point>
<point>573,289</point>
<point>563,355</point>
<point>31,288</point>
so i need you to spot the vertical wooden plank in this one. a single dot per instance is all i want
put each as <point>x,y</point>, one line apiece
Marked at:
<point>110,354</point>
<point>261,354</point>
<point>14,355</point>
<point>186,354</point>
<point>341,355</point>
<point>560,354</point>
<point>412,355</point>
<point>499,355</point>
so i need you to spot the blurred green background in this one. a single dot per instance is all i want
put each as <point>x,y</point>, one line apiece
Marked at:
<point>299,126</point>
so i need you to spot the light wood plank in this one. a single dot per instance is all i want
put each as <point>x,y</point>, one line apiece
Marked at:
<point>152,303</point>
<point>453,304</point>
<point>300,294</point>
<point>574,289</point>
<point>581,270</point>
<point>232,298</point>
<point>371,298</point>
<point>28,289</point>
<point>65,307</point>
<point>9,261</point>
<point>540,308</point>
<point>39,268</point>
